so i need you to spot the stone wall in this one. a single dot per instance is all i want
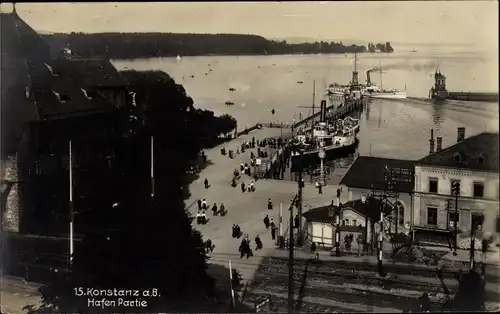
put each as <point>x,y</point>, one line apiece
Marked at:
<point>11,212</point>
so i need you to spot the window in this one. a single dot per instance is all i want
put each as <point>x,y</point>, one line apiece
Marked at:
<point>451,219</point>
<point>401,215</point>
<point>477,221</point>
<point>51,70</point>
<point>354,222</point>
<point>64,98</point>
<point>433,185</point>
<point>478,189</point>
<point>86,94</point>
<point>432,216</point>
<point>37,167</point>
<point>451,186</point>
<point>61,97</point>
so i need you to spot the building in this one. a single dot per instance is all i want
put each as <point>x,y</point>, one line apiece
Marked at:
<point>473,162</point>
<point>47,100</point>
<point>367,177</point>
<point>356,217</point>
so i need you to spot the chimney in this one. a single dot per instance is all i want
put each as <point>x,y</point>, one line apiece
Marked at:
<point>439,143</point>
<point>323,111</point>
<point>460,134</point>
<point>368,81</point>
<point>431,142</point>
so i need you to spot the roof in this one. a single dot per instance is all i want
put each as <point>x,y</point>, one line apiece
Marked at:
<point>367,172</point>
<point>370,208</point>
<point>91,73</point>
<point>479,152</point>
<point>29,87</point>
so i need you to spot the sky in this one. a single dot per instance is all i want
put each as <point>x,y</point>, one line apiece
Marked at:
<point>434,22</point>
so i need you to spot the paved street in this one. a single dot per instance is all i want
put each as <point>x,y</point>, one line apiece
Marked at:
<point>246,209</point>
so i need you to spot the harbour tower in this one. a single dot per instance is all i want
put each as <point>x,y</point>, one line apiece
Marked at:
<point>439,90</point>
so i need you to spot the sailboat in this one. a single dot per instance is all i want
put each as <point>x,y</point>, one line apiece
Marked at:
<point>178,59</point>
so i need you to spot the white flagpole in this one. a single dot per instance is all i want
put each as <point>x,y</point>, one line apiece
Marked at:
<point>71,213</point>
<point>152,168</point>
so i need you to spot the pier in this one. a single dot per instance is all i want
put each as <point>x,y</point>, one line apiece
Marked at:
<point>439,91</point>
<point>468,96</point>
<point>333,112</point>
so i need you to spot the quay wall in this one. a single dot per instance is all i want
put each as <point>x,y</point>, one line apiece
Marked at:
<point>490,97</point>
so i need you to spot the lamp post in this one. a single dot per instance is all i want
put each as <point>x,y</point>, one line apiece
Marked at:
<point>337,229</point>
<point>322,155</point>
<point>380,266</point>
<point>456,190</point>
<point>290,258</point>
<point>299,201</point>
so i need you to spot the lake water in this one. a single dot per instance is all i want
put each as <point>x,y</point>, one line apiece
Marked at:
<point>398,129</point>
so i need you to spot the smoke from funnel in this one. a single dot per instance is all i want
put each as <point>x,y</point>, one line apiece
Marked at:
<point>399,66</point>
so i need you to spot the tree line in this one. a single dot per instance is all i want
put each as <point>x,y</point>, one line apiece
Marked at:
<point>143,45</point>
<point>135,241</point>
<point>380,47</point>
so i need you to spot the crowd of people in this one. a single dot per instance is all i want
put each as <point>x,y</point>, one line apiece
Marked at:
<point>246,248</point>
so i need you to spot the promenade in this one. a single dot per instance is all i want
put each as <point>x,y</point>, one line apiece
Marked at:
<point>246,209</point>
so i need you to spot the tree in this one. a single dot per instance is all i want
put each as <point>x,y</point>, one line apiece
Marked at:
<point>388,47</point>
<point>145,243</point>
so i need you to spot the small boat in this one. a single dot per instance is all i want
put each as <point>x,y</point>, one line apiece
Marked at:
<point>300,82</point>
<point>178,59</point>
<point>229,103</point>
<point>232,89</point>
<point>413,50</point>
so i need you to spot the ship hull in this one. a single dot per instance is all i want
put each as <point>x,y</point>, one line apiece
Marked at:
<point>391,95</point>
<point>311,158</point>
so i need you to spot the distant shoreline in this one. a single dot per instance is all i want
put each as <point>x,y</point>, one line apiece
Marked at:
<point>158,45</point>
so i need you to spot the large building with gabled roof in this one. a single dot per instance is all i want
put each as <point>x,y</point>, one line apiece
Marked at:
<point>474,163</point>
<point>48,98</point>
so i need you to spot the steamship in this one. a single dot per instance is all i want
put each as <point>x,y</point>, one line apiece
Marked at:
<point>336,141</point>
<point>375,91</point>
<point>353,89</point>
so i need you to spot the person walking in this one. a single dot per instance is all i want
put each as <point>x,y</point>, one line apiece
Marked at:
<point>214,209</point>
<point>238,231</point>
<point>234,231</point>
<point>273,232</point>
<point>266,221</point>
<point>206,183</point>
<point>199,204</point>
<point>222,210</point>
<point>258,243</point>
<point>313,248</point>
